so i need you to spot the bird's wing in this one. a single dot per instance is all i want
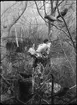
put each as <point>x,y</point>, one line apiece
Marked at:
<point>40,47</point>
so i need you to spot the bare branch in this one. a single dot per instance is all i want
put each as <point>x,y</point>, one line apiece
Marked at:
<point>24,18</point>
<point>73,87</point>
<point>39,11</point>
<point>51,1</point>
<point>59,29</point>
<point>43,4</point>
<point>8,99</point>
<point>57,5</point>
<point>61,44</point>
<point>67,29</point>
<point>5,79</point>
<point>71,100</point>
<point>44,7</point>
<point>19,16</point>
<point>63,32</point>
<point>69,43</point>
<point>8,8</point>
<point>43,99</point>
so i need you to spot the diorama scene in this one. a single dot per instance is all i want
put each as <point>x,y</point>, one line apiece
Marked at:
<point>38,52</point>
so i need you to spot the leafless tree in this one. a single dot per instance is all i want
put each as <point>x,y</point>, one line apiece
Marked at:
<point>8,27</point>
<point>56,9</point>
<point>8,22</point>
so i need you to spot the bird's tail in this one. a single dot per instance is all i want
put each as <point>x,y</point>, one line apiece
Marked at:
<point>58,16</point>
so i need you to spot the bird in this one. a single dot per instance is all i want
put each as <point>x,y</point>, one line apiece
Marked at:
<point>52,18</point>
<point>62,13</point>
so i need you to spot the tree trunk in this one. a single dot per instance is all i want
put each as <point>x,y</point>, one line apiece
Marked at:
<point>49,24</point>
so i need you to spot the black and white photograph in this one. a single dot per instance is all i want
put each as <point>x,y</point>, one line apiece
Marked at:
<point>38,52</point>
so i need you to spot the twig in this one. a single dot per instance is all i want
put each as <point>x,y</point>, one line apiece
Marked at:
<point>20,101</point>
<point>69,102</point>
<point>46,101</point>
<point>46,78</point>
<point>24,18</point>
<point>43,99</point>
<point>43,4</point>
<point>5,80</point>
<point>3,57</point>
<point>23,102</point>
<point>65,25</point>
<point>9,8</point>
<point>72,87</point>
<point>8,99</point>
<point>60,29</point>
<point>64,32</point>
<point>19,16</point>
<point>67,29</point>
<point>66,55</point>
<point>44,7</point>
<point>50,23</point>
<point>58,4</point>
<point>52,91</point>
<point>39,11</point>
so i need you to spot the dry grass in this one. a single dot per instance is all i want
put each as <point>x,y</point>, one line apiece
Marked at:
<point>60,68</point>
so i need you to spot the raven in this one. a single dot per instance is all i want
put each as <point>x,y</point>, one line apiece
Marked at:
<point>63,13</point>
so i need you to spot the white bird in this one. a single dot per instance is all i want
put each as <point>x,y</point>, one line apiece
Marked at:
<point>43,47</point>
<point>63,13</point>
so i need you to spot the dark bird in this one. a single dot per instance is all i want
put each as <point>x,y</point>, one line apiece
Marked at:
<point>52,18</point>
<point>63,13</point>
<point>62,92</point>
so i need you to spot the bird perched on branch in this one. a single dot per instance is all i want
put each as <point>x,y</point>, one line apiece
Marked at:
<point>52,18</point>
<point>63,13</point>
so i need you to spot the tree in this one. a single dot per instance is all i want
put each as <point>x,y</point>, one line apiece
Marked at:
<point>9,23</point>
<point>55,8</point>
<point>9,19</point>
<point>66,30</point>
